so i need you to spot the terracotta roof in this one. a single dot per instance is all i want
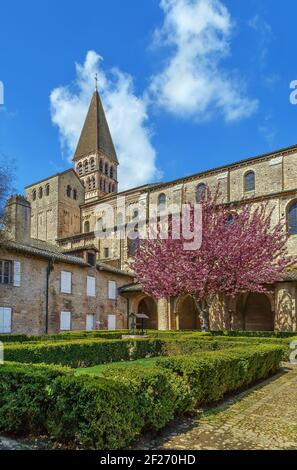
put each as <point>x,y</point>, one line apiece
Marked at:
<point>43,250</point>
<point>95,135</point>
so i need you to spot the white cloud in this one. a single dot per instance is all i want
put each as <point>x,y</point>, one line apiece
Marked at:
<point>193,82</point>
<point>126,115</point>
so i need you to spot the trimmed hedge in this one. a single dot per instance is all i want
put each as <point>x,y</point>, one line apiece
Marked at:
<point>258,334</point>
<point>78,353</point>
<point>64,336</point>
<point>210,375</point>
<point>109,412</point>
<point>89,352</point>
<point>24,397</point>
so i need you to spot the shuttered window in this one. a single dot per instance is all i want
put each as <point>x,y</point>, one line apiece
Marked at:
<point>5,320</point>
<point>112,290</point>
<point>91,289</point>
<point>66,282</point>
<point>17,273</point>
<point>65,321</point>
<point>90,322</point>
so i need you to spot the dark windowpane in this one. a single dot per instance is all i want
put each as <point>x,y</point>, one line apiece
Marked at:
<point>249,181</point>
<point>292,218</point>
<point>106,252</point>
<point>200,191</point>
<point>91,259</point>
<point>5,272</point>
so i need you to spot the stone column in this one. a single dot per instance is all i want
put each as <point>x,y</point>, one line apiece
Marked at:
<point>285,303</point>
<point>163,313</point>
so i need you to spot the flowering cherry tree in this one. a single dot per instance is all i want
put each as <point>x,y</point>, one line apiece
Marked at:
<point>242,251</point>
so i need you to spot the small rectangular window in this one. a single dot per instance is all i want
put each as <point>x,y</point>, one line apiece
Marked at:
<point>90,322</point>
<point>5,320</point>
<point>6,272</point>
<point>66,278</point>
<point>106,252</point>
<point>65,321</point>
<point>112,290</point>
<point>91,287</point>
<point>91,259</point>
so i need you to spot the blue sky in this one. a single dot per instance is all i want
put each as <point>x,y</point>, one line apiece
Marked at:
<point>187,84</point>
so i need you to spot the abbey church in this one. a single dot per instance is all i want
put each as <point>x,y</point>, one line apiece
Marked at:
<point>57,274</point>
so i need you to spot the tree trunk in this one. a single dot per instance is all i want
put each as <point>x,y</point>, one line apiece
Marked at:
<point>203,310</point>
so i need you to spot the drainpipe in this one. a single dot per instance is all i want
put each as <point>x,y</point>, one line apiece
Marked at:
<point>49,269</point>
<point>128,313</point>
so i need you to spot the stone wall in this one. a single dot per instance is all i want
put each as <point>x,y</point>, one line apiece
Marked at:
<point>29,305</point>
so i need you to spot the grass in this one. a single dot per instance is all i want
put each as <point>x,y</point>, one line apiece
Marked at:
<point>98,370</point>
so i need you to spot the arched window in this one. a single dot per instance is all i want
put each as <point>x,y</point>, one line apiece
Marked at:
<point>86,226</point>
<point>93,183</point>
<point>34,194</point>
<point>92,163</point>
<point>47,190</point>
<point>292,218</point>
<point>106,169</point>
<point>249,181</point>
<point>74,194</point>
<point>80,169</point>
<point>101,165</point>
<point>40,191</point>
<point>200,191</point>
<point>68,191</point>
<point>231,218</point>
<point>86,166</point>
<point>161,202</point>
<point>133,245</point>
<point>111,172</point>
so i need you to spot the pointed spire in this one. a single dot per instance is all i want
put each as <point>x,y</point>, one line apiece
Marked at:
<point>95,135</point>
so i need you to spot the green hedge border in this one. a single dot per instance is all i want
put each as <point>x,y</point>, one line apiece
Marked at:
<point>110,412</point>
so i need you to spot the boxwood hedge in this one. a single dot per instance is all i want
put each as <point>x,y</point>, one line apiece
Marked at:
<point>109,412</point>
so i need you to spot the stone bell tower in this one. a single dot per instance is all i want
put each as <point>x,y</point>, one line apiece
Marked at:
<point>95,157</point>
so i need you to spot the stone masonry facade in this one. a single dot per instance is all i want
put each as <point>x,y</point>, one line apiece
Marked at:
<point>66,209</point>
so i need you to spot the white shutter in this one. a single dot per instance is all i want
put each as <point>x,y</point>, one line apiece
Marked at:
<point>91,286</point>
<point>112,290</point>
<point>90,322</point>
<point>5,320</point>
<point>17,273</point>
<point>65,321</point>
<point>66,282</point>
<point>111,322</point>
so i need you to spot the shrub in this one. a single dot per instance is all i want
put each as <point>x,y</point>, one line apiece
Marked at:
<point>210,375</point>
<point>109,412</point>
<point>259,334</point>
<point>24,398</point>
<point>98,413</point>
<point>78,353</point>
<point>89,352</point>
<point>66,335</point>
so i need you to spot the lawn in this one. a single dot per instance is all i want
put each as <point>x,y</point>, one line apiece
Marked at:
<point>98,370</point>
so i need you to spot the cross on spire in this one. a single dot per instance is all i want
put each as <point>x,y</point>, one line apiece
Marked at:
<point>96,81</point>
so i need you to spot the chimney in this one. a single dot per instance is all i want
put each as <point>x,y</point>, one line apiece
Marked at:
<point>18,211</point>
